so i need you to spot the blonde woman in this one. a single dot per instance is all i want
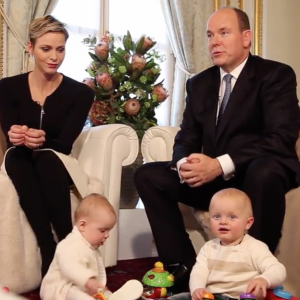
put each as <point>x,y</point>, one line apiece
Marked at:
<point>42,113</point>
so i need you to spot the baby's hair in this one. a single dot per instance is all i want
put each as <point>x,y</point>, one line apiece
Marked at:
<point>90,204</point>
<point>238,195</point>
<point>44,25</point>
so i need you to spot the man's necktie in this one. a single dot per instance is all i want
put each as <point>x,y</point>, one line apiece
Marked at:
<point>226,96</point>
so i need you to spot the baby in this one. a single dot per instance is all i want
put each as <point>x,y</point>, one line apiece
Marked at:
<point>234,262</point>
<point>77,271</point>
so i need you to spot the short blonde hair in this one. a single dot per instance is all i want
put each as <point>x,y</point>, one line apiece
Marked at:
<point>45,24</point>
<point>238,195</point>
<point>92,203</point>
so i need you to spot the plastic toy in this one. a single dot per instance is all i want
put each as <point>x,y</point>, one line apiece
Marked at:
<point>5,289</point>
<point>279,294</point>
<point>156,281</point>
<point>208,296</point>
<point>99,295</point>
<point>247,296</point>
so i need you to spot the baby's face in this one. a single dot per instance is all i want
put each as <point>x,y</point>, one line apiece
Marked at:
<point>97,228</point>
<point>229,219</point>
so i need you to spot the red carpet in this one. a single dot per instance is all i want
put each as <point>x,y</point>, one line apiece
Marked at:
<point>119,274</point>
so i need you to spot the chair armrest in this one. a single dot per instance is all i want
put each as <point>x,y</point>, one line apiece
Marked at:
<point>102,151</point>
<point>107,147</point>
<point>157,143</point>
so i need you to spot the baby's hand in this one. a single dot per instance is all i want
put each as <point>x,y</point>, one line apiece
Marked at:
<point>258,287</point>
<point>92,286</point>
<point>198,294</point>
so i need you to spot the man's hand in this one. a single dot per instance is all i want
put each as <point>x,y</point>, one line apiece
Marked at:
<point>198,294</point>
<point>199,169</point>
<point>34,138</point>
<point>258,287</point>
<point>92,286</point>
<point>16,134</point>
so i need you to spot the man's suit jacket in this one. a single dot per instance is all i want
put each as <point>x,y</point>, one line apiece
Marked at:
<point>262,117</point>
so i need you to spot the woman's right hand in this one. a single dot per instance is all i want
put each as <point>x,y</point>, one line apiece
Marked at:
<point>16,134</point>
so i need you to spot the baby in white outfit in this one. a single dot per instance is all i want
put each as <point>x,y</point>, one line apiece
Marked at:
<point>77,271</point>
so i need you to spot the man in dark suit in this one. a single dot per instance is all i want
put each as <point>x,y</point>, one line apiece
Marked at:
<point>239,129</point>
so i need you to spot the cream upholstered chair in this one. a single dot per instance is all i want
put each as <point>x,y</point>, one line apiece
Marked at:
<point>101,152</point>
<point>157,145</point>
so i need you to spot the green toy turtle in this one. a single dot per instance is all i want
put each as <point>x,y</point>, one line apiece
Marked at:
<point>156,282</point>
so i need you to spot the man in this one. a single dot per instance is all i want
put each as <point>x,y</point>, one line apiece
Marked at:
<point>238,130</point>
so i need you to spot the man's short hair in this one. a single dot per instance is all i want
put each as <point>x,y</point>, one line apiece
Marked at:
<point>243,19</point>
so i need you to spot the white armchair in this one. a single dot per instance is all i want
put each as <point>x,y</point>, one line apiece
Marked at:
<point>157,145</point>
<point>101,151</point>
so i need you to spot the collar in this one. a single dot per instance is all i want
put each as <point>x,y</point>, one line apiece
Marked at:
<point>237,244</point>
<point>235,72</point>
<point>78,234</point>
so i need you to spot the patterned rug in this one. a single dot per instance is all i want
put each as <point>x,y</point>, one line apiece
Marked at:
<point>118,275</point>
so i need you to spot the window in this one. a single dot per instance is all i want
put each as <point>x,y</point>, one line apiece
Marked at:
<point>82,19</point>
<point>137,16</point>
<point>146,17</point>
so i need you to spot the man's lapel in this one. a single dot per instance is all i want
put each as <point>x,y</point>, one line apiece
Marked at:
<point>212,102</point>
<point>238,95</point>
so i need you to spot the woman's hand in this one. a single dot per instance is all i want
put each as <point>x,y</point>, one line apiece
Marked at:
<point>34,138</point>
<point>17,134</point>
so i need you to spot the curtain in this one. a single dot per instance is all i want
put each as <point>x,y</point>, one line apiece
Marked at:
<point>21,13</point>
<point>186,26</point>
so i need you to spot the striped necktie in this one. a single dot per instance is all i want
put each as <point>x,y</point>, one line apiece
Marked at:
<point>226,96</point>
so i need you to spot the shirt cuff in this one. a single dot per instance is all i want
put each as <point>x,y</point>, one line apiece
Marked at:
<point>178,164</point>
<point>227,166</point>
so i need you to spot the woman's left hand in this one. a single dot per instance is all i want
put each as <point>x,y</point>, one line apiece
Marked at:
<point>34,138</point>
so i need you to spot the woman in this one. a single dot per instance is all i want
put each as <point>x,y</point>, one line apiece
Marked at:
<point>43,109</point>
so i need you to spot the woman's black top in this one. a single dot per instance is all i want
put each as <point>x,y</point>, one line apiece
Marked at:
<point>62,116</point>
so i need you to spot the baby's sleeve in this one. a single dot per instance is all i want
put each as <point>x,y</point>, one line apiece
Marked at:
<point>75,263</point>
